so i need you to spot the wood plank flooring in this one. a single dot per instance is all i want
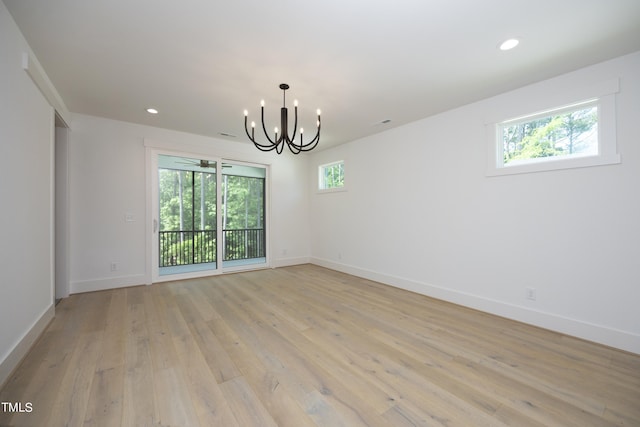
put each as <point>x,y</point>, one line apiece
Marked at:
<point>306,346</point>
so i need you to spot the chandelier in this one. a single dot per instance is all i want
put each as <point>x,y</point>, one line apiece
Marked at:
<point>281,138</point>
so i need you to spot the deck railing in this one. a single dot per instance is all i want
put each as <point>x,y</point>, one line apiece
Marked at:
<point>199,246</point>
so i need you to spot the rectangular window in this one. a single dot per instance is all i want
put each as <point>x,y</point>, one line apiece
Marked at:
<point>582,133</point>
<point>331,176</point>
<point>563,133</point>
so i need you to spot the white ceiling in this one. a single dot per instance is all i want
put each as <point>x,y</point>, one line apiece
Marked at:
<point>202,62</point>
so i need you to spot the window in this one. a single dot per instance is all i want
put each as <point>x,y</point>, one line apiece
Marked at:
<point>575,135</point>
<point>563,133</point>
<point>331,176</point>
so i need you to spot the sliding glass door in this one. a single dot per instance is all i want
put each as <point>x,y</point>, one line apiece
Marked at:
<point>211,216</point>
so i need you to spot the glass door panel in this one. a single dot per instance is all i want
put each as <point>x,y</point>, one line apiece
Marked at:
<point>243,215</point>
<point>187,215</point>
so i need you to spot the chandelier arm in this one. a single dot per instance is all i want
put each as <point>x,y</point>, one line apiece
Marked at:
<point>295,124</point>
<point>252,138</point>
<point>264,148</point>
<point>311,147</point>
<point>246,129</point>
<point>311,144</point>
<point>264,128</point>
<point>294,148</point>
<point>294,152</point>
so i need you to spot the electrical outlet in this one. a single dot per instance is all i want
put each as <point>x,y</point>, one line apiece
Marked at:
<point>531,294</point>
<point>114,266</point>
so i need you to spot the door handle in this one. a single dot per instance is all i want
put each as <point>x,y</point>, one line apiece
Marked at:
<point>155,225</point>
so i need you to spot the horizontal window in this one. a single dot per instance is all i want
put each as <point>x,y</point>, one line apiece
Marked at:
<point>563,133</point>
<point>576,135</point>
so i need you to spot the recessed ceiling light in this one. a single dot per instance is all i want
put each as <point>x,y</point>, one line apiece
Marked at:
<point>509,44</point>
<point>152,111</point>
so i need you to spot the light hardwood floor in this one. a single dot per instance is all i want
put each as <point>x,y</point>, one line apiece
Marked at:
<point>306,346</point>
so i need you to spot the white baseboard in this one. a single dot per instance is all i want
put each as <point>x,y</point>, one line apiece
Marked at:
<point>11,362</point>
<point>109,283</point>
<point>287,262</point>
<point>611,337</point>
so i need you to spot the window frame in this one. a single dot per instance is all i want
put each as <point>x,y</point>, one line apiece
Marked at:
<point>607,154</point>
<point>321,180</point>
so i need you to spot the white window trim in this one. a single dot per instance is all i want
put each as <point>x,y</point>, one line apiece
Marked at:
<point>320,178</point>
<point>604,97</point>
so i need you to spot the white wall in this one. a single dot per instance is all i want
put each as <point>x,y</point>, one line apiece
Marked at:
<point>108,181</point>
<point>419,213</point>
<point>26,194</point>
